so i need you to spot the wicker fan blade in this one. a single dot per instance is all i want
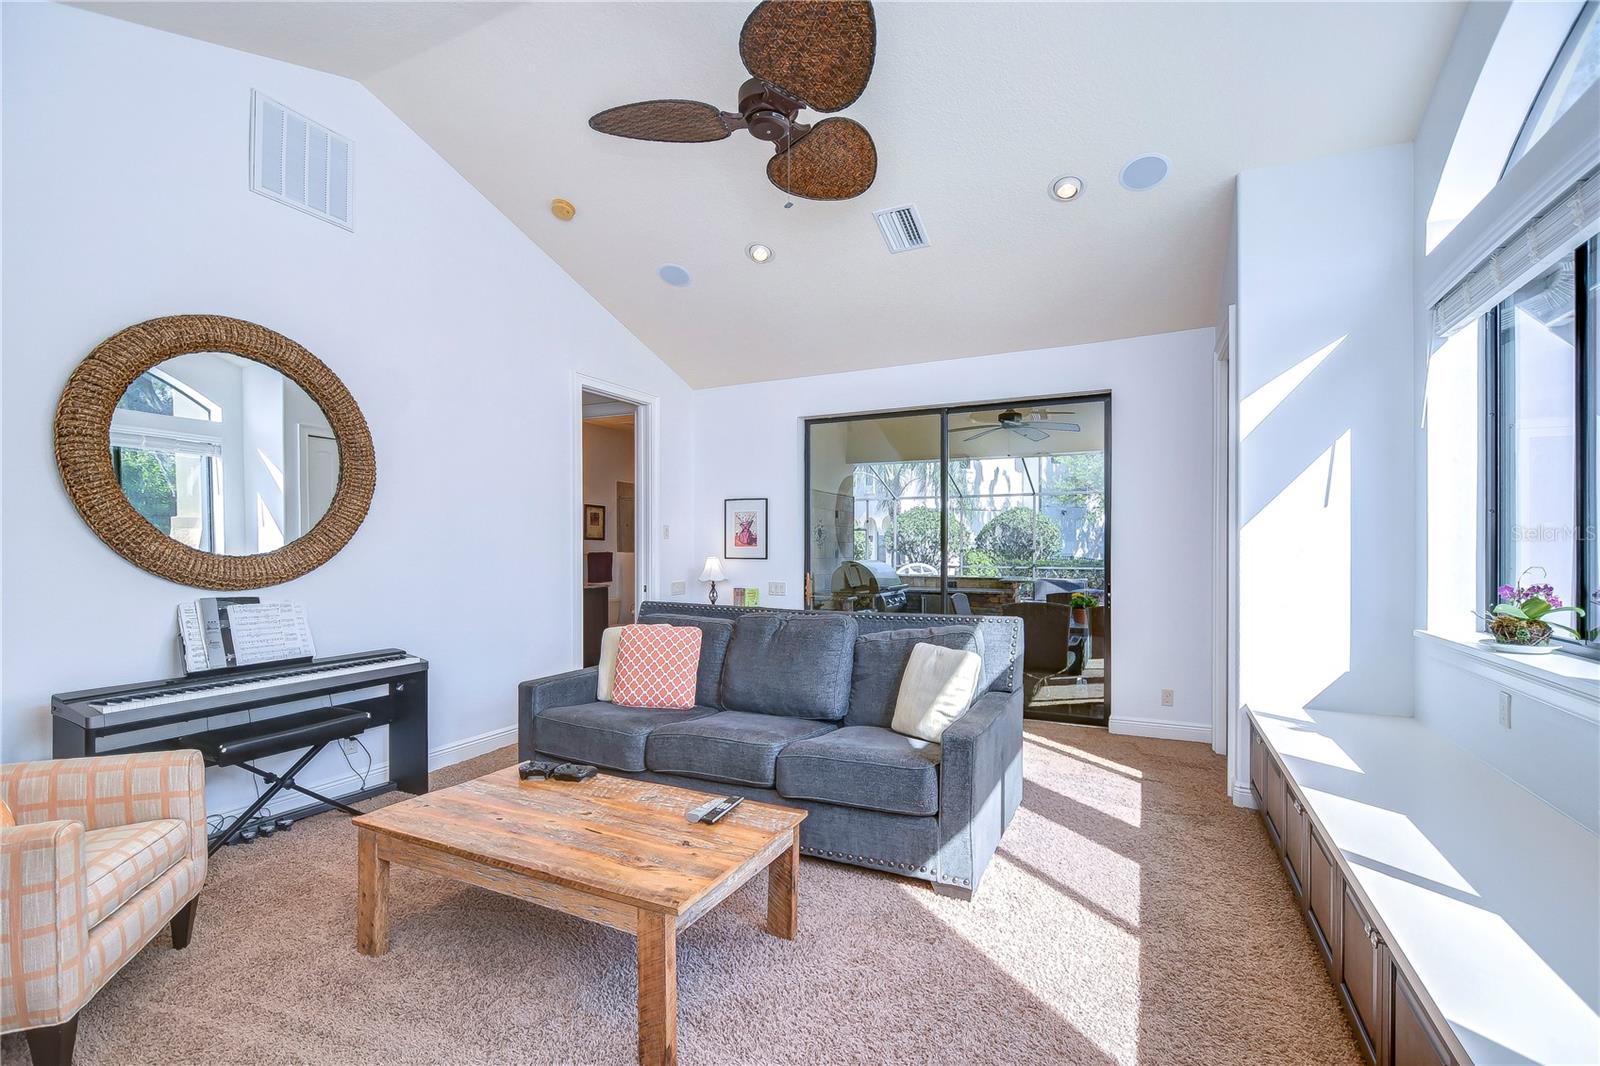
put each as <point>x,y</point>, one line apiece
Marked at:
<point>683,121</point>
<point>835,161</point>
<point>818,51</point>
<point>1035,435</point>
<point>982,433</point>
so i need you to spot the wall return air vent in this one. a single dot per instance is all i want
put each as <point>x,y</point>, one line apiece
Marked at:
<point>902,228</point>
<point>297,162</point>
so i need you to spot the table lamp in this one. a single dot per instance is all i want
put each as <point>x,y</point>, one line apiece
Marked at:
<point>712,572</point>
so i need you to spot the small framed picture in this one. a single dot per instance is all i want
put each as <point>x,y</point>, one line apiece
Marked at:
<point>594,522</point>
<point>744,526</point>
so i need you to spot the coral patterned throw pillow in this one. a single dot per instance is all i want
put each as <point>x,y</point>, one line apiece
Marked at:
<point>656,667</point>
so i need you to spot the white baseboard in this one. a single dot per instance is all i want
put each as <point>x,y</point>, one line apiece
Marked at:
<point>471,747</point>
<point>1244,797</point>
<point>343,784</point>
<point>1159,728</point>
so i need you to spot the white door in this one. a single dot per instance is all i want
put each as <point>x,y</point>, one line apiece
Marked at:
<point>319,476</point>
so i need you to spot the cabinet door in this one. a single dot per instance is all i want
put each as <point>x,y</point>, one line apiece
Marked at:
<point>1258,764</point>
<point>1413,1041</point>
<point>1322,897</point>
<point>1274,805</point>
<point>1296,839</point>
<point>1360,970</point>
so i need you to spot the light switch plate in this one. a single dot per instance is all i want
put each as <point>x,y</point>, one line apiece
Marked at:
<point>680,588</point>
<point>777,588</point>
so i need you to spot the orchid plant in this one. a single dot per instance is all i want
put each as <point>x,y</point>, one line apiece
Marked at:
<point>1522,615</point>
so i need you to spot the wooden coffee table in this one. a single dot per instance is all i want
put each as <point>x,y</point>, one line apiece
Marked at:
<point>611,850</point>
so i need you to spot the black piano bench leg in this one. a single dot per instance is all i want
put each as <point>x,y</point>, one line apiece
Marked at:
<point>183,924</point>
<point>51,1045</point>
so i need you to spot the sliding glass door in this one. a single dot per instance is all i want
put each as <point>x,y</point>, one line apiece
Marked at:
<point>973,510</point>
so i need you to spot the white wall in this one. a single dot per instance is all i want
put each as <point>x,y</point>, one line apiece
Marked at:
<point>125,197</point>
<point>1326,459</point>
<point>750,444</point>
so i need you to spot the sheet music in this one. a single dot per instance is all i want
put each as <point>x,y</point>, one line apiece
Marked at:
<point>268,632</point>
<point>193,635</point>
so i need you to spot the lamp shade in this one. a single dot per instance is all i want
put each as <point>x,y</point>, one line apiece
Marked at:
<point>713,570</point>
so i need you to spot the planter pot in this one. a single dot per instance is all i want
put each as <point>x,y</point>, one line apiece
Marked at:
<point>1080,616</point>
<point>1519,632</point>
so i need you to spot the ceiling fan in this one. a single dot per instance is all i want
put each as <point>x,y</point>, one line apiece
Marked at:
<point>813,54</point>
<point>1035,427</point>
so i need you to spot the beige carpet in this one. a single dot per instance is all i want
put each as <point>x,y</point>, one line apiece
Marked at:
<point>1132,915</point>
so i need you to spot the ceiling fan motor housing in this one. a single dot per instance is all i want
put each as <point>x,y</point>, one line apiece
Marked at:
<point>768,114</point>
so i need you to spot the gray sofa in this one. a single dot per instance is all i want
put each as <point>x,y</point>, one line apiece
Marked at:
<point>794,708</point>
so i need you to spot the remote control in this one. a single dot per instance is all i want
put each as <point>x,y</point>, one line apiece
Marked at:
<point>698,813</point>
<point>536,768</point>
<point>572,771</point>
<point>721,810</point>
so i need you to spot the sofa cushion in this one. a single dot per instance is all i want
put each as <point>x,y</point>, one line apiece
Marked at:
<point>606,669</point>
<point>863,766</point>
<point>656,667</point>
<point>603,734</point>
<point>938,687</point>
<point>714,636</point>
<point>880,661</point>
<point>118,862</point>
<point>796,665</point>
<point>734,746</point>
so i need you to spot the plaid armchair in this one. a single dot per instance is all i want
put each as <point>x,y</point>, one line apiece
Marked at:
<point>106,850</point>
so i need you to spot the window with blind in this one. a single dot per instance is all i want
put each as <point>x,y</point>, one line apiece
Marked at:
<point>1542,420</point>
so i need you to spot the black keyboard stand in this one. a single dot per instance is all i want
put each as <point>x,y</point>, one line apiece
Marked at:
<point>236,745</point>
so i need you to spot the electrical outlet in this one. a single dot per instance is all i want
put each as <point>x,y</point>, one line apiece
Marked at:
<point>680,588</point>
<point>349,745</point>
<point>1166,697</point>
<point>666,532</point>
<point>1505,710</point>
<point>777,588</point>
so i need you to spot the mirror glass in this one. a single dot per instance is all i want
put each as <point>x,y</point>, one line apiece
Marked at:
<point>224,454</point>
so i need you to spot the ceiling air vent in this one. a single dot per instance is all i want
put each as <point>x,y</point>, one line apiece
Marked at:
<point>297,162</point>
<point>902,228</point>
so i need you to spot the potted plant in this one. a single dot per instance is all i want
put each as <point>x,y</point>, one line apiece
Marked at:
<point>1520,621</point>
<point>1080,603</point>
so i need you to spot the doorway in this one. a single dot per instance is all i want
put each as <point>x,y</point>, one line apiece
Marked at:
<point>609,476</point>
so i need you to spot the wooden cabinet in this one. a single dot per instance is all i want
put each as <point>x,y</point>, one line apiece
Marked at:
<point>1323,892</point>
<point>1361,970</point>
<point>1258,765</point>
<point>1296,841</point>
<point>1412,1038</point>
<point>1388,1014</point>
<point>1273,801</point>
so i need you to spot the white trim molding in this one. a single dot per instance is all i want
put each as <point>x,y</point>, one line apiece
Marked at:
<point>1159,728</point>
<point>1569,683</point>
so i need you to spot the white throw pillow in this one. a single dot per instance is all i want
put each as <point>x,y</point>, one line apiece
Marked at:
<point>608,662</point>
<point>936,689</point>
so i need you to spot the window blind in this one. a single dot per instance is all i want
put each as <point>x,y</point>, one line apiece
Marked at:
<point>1554,232</point>
<point>156,441</point>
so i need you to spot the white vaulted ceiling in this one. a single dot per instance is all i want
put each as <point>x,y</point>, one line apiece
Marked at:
<point>975,107</point>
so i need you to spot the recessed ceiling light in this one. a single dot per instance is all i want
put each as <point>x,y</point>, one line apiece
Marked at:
<point>760,253</point>
<point>1145,171</point>
<point>674,275</point>
<point>1066,188</point>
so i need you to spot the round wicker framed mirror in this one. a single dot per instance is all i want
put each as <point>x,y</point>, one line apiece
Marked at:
<point>214,452</point>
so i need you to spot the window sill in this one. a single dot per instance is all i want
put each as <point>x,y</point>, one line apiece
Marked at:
<point>1567,682</point>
